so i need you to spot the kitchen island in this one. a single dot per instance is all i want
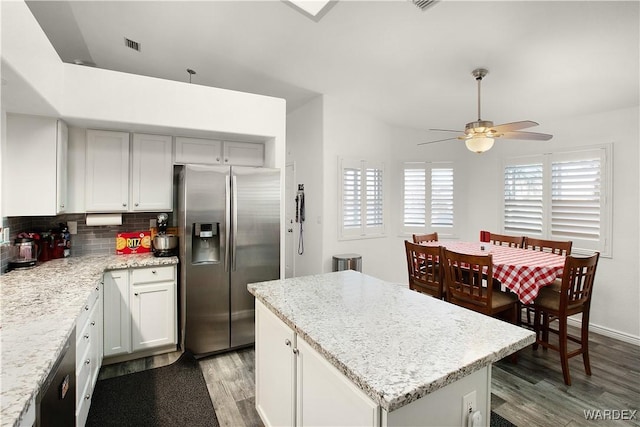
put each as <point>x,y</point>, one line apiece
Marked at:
<point>39,310</point>
<point>346,340</point>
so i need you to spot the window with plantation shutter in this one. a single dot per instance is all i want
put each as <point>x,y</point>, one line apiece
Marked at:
<point>576,202</point>
<point>428,198</point>
<point>523,199</point>
<point>561,196</point>
<point>362,198</point>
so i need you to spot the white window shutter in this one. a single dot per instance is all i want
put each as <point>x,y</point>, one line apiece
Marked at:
<point>374,197</point>
<point>441,197</point>
<point>351,198</point>
<point>415,193</point>
<point>523,199</point>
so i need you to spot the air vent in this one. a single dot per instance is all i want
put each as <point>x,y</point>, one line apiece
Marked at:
<point>131,44</point>
<point>424,4</point>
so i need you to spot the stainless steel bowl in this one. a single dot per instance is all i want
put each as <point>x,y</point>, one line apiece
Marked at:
<point>164,242</point>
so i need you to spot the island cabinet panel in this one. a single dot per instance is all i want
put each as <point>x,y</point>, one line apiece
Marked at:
<point>326,397</point>
<point>296,386</point>
<point>275,369</point>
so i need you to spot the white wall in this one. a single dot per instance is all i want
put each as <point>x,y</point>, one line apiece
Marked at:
<point>351,133</point>
<point>304,149</point>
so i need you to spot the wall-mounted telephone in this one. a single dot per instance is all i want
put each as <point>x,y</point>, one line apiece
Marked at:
<point>300,216</point>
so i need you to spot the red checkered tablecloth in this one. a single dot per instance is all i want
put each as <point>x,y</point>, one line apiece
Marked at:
<point>523,271</point>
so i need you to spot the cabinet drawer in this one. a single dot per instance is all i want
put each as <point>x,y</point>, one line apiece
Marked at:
<point>83,404</point>
<point>88,306</point>
<point>152,274</point>
<point>83,375</point>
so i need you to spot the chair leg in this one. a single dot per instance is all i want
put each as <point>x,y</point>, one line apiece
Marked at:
<point>585,343</point>
<point>536,328</point>
<point>545,327</point>
<point>562,345</point>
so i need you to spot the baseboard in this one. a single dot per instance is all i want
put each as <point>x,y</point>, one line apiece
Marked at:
<point>621,336</point>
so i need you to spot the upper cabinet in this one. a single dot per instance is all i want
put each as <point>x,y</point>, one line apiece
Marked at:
<point>152,173</point>
<point>107,171</point>
<point>123,179</point>
<point>215,152</point>
<point>34,166</point>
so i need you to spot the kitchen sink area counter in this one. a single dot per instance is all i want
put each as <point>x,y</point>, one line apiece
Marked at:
<point>39,310</point>
<point>395,345</point>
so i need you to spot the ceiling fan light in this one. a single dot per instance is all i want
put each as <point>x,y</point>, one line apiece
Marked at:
<point>479,145</point>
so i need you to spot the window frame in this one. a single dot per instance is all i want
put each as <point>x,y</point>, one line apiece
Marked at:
<point>362,231</point>
<point>446,232</point>
<point>580,246</point>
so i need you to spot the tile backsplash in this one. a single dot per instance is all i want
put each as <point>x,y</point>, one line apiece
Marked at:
<point>88,240</point>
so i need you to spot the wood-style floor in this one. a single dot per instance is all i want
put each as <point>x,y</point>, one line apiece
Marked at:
<point>529,393</point>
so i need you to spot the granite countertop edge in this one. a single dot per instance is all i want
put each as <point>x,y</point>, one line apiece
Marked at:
<point>76,277</point>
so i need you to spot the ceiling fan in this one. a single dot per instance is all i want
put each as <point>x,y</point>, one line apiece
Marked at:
<point>480,135</point>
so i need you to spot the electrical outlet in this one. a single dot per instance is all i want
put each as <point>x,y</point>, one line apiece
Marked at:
<point>468,406</point>
<point>73,227</point>
<point>6,233</point>
<point>153,222</point>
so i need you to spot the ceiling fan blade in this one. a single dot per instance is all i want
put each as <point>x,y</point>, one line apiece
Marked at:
<point>527,135</point>
<point>510,127</point>
<point>447,130</point>
<point>437,140</point>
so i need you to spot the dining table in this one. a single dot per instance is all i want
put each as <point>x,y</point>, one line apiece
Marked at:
<point>522,271</point>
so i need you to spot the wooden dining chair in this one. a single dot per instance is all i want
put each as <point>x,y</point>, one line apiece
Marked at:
<point>574,297</point>
<point>465,278</point>
<point>504,240</point>
<point>424,269</point>
<point>431,237</point>
<point>553,246</point>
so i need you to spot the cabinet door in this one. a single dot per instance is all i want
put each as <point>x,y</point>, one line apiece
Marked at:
<point>243,153</point>
<point>325,396</point>
<point>152,173</point>
<point>117,317</point>
<point>29,166</point>
<point>153,315</point>
<point>107,171</point>
<point>196,150</point>
<point>275,371</point>
<point>62,150</point>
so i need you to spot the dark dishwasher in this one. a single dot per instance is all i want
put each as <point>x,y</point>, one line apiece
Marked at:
<point>56,401</point>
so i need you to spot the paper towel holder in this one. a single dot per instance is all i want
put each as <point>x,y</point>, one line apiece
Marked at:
<point>101,219</point>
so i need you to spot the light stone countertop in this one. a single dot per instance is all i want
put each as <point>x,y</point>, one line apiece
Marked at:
<point>39,307</point>
<point>395,344</point>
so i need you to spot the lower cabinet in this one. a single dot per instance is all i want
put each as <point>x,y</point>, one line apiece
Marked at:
<point>296,385</point>
<point>88,352</point>
<point>139,310</point>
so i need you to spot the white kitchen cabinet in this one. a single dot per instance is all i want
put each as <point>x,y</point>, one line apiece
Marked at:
<point>275,369</point>
<point>198,151</point>
<point>153,308</point>
<point>243,153</point>
<point>152,173</point>
<point>291,374</point>
<point>34,166</point>
<point>107,171</point>
<point>117,317</point>
<point>88,352</point>
<point>215,152</point>
<point>140,310</point>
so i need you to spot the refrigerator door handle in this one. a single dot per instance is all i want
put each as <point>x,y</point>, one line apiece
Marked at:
<point>234,189</point>
<point>227,221</point>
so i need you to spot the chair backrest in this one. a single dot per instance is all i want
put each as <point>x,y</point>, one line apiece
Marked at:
<point>424,269</point>
<point>503,240</point>
<point>431,237</point>
<point>465,277</point>
<point>577,283</point>
<point>553,246</point>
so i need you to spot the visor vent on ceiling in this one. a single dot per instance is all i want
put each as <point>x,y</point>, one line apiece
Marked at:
<point>424,4</point>
<point>131,44</point>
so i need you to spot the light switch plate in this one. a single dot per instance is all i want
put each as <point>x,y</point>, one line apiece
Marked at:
<point>73,227</point>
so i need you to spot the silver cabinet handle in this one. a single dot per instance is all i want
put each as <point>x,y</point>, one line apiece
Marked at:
<point>217,159</point>
<point>136,294</point>
<point>87,396</point>
<point>93,323</point>
<point>98,287</point>
<point>287,342</point>
<point>86,336</point>
<point>124,205</point>
<point>86,308</point>
<point>153,271</point>
<point>295,351</point>
<point>226,160</point>
<point>62,206</point>
<point>86,362</point>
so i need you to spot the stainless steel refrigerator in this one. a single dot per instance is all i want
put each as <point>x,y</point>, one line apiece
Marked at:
<point>229,227</point>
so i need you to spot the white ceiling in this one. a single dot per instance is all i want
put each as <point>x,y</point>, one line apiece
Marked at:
<point>547,60</point>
